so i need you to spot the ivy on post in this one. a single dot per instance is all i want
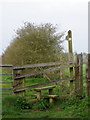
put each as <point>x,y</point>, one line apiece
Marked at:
<point>70,50</point>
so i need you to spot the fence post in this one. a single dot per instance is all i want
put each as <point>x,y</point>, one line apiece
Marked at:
<point>76,74</point>
<point>88,76</point>
<point>70,49</point>
<point>80,75</point>
<point>14,81</point>
<point>23,82</point>
<point>17,83</point>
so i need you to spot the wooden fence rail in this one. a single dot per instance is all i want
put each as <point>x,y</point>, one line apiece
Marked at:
<point>40,84</point>
<point>40,72</point>
<point>76,76</point>
<point>19,86</point>
<point>42,65</point>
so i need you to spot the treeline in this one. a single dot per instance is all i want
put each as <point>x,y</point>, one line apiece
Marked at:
<point>35,44</point>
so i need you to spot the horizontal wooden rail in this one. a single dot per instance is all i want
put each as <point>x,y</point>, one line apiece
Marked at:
<point>44,88</point>
<point>40,72</point>
<point>19,89</point>
<point>41,65</point>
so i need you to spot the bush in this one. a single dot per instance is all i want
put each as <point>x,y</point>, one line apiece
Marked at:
<point>42,104</point>
<point>22,103</point>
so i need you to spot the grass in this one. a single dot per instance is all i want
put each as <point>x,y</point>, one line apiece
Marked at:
<point>72,107</point>
<point>63,108</point>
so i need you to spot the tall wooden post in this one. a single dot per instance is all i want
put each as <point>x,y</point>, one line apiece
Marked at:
<point>80,75</point>
<point>70,50</point>
<point>23,82</point>
<point>88,76</point>
<point>76,74</point>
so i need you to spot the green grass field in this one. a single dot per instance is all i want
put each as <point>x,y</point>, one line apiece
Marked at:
<point>20,107</point>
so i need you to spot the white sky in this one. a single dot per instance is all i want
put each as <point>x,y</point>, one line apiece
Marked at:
<point>67,14</point>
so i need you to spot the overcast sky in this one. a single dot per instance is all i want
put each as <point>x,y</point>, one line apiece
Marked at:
<point>67,14</point>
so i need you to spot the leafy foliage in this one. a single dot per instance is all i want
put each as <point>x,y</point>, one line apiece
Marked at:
<point>42,104</point>
<point>22,103</point>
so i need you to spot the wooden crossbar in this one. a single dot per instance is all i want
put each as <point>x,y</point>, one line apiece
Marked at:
<point>44,88</point>
<point>41,65</point>
<point>52,96</point>
<point>40,72</point>
<point>46,96</point>
<point>41,84</point>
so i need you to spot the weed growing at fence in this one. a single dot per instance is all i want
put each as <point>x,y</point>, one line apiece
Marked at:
<point>21,103</point>
<point>42,104</point>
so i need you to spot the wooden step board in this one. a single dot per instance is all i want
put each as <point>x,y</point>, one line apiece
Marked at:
<point>46,96</point>
<point>18,91</point>
<point>44,88</point>
<point>52,96</point>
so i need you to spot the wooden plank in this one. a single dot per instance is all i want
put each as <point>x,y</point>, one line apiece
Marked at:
<point>40,72</point>
<point>70,50</point>
<point>41,84</point>
<point>52,96</point>
<point>42,65</point>
<point>88,76</point>
<point>80,75</point>
<point>18,83</point>
<point>46,96</point>
<point>14,72</point>
<point>44,88</point>
<point>76,74</point>
<point>23,83</point>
